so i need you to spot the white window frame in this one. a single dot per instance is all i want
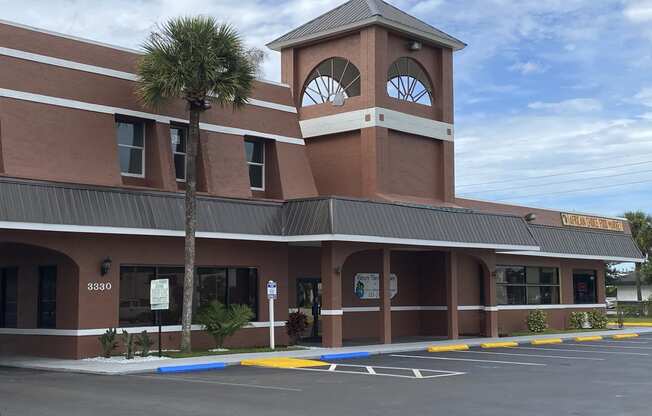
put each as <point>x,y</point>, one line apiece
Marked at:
<point>185,154</point>
<point>253,188</point>
<point>133,175</point>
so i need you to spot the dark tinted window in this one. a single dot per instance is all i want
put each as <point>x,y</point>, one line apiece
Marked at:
<point>131,147</point>
<point>584,286</point>
<point>519,285</point>
<point>8,298</point>
<point>178,138</point>
<point>47,297</point>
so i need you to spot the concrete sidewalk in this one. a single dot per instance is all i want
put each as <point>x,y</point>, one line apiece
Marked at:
<point>107,368</point>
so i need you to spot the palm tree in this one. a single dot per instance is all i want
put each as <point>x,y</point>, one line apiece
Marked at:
<point>641,227</point>
<point>202,62</point>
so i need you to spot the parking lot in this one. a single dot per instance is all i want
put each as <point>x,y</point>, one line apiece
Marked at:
<point>608,377</point>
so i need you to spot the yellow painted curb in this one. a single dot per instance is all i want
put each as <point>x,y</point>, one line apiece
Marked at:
<point>625,336</point>
<point>499,344</point>
<point>444,348</point>
<point>546,341</point>
<point>282,362</point>
<point>591,338</point>
<point>632,323</point>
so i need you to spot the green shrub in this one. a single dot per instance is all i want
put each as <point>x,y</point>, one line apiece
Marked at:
<point>297,324</point>
<point>222,321</point>
<point>108,342</point>
<point>537,321</point>
<point>598,319</point>
<point>576,320</point>
<point>128,341</point>
<point>145,343</point>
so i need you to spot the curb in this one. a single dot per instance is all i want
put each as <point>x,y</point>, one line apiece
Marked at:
<point>191,368</point>
<point>345,355</point>
<point>624,336</point>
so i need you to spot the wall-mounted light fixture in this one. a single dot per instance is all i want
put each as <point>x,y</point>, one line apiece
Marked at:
<point>105,266</point>
<point>337,269</point>
<point>530,217</point>
<point>414,45</point>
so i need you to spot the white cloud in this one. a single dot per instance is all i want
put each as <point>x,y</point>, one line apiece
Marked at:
<point>575,105</point>
<point>644,96</point>
<point>639,11</point>
<point>528,67</point>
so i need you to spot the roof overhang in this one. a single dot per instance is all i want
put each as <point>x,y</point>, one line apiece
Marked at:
<point>455,44</point>
<point>609,259</point>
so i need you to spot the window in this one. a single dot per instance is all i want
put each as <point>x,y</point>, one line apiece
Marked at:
<point>134,295</point>
<point>231,286</point>
<point>178,136</point>
<point>255,155</point>
<point>520,285</point>
<point>227,285</point>
<point>584,286</point>
<point>331,79</point>
<point>47,297</point>
<point>8,298</point>
<point>407,81</point>
<point>131,148</point>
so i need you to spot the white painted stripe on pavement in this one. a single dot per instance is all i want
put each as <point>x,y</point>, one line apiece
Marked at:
<point>537,355</point>
<point>469,359</point>
<point>221,383</point>
<point>609,346</point>
<point>580,351</point>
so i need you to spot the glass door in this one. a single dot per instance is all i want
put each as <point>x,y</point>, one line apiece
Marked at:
<point>309,303</point>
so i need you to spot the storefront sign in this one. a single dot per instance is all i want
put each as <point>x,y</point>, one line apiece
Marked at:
<point>159,294</point>
<point>585,221</point>
<point>367,285</point>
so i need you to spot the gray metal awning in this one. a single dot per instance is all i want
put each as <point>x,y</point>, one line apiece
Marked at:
<point>32,205</point>
<point>567,242</point>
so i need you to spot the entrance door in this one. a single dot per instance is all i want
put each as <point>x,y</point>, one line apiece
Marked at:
<point>309,303</point>
<point>8,298</point>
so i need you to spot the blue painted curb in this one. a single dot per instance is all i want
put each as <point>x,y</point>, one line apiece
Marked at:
<point>191,368</point>
<point>345,355</point>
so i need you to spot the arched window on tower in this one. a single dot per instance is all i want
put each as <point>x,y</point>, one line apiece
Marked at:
<point>331,80</point>
<point>407,81</point>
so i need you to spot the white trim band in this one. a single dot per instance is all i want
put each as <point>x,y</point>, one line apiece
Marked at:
<point>131,330</point>
<point>78,66</point>
<point>91,229</point>
<point>331,312</point>
<point>573,256</point>
<point>376,117</point>
<point>105,109</point>
<point>483,308</point>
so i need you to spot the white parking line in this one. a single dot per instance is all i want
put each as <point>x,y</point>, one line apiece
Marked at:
<point>221,383</point>
<point>580,351</point>
<point>413,373</point>
<point>610,346</point>
<point>627,342</point>
<point>468,359</point>
<point>537,355</point>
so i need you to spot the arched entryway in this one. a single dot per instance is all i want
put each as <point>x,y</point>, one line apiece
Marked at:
<point>38,294</point>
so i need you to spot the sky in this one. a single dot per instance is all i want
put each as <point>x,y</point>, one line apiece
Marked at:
<point>553,98</point>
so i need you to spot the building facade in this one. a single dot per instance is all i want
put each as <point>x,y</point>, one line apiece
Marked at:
<point>337,183</point>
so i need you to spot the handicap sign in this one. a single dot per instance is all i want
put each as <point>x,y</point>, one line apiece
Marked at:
<point>271,290</point>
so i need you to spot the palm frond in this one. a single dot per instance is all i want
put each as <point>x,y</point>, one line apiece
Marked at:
<point>196,59</point>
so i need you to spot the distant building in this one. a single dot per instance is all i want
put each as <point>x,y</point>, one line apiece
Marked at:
<point>626,288</point>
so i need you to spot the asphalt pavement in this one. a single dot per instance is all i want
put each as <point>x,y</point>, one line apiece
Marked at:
<point>606,377</point>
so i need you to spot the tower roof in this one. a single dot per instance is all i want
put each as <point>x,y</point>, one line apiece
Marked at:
<point>359,13</point>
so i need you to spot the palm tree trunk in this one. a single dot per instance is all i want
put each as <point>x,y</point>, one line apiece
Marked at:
<point>637,272</point>
<point>191,226</point>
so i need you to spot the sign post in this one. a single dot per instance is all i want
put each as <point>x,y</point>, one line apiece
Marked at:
<point>271,295</point>
<point>159,299</point>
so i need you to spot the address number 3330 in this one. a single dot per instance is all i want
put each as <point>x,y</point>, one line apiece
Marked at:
<point>99,286</point>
